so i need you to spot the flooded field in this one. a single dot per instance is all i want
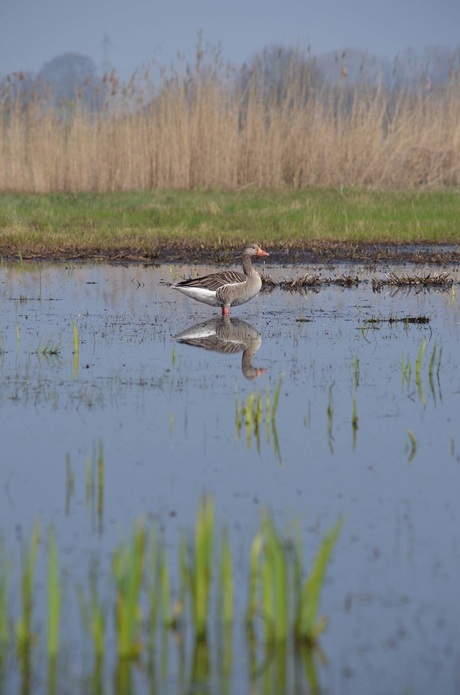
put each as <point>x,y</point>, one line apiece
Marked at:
<point>108,363</point>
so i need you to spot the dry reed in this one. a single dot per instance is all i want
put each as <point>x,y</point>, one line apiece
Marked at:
<point>206,127</point>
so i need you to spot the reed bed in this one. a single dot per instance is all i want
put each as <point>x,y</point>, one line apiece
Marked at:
<point>211,126</point>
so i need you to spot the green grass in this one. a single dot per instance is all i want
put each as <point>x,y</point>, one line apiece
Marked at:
<point>141,224</point>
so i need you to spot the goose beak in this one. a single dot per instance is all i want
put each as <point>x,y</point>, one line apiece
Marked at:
<point>261,252</point>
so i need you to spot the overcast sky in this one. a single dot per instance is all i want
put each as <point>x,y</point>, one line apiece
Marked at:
<point>34,31</point>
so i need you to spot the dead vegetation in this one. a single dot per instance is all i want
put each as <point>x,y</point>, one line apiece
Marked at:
<point>439,281</point>
<point>417,281</point>
<point>423,320</point>
<point>203,128</point>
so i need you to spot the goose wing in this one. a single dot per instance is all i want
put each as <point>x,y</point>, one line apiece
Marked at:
<point>215,281</point>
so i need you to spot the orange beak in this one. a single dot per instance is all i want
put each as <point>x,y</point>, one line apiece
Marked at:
<point>261,252</point>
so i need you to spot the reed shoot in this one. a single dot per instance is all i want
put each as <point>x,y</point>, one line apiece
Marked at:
<point>282,598</point>
<point>128,568</point>
<point>4,578</point>
<point>226,582</point>
<point>286,602</point>
<point>309,625</point>
<point>199,571</point>
<point>93,612</point>
<point>250,414</point>
<point>54,597</point>
<point>24,632</point>
<point>354,422</point>
<point>76,350</point>
<point>330,418</point>
<point>412,446</point>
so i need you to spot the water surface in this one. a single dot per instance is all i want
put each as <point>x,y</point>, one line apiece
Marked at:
<point>361,433</point>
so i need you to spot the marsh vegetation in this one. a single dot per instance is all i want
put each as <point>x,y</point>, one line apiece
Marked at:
<point>206,125</point>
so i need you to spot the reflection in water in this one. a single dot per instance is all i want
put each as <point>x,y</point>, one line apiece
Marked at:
<point>228,336</point>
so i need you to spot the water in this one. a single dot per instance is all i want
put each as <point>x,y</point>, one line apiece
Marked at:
<point>163,412</point>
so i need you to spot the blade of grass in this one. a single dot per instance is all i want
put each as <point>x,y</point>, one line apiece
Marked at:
<point>308,626</point>
<point>54,597</point>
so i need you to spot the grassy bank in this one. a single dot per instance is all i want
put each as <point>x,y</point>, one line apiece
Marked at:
<point>156,225</point>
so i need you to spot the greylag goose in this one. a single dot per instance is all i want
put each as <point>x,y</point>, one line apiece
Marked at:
<point>227,288</point>
<point>227,336</point>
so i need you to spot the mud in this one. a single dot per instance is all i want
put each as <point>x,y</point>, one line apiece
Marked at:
<point>280,253</point>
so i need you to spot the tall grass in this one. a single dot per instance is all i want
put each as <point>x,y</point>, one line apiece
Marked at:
<point>205,126</point>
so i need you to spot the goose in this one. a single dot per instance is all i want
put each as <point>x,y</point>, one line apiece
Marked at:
<point>228,287</point>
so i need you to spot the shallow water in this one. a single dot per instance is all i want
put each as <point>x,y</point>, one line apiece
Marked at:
<point>164,413</point>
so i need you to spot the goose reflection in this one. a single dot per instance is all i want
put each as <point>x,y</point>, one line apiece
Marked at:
<point>228,336</point>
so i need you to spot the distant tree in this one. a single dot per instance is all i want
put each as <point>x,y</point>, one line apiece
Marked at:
<point>71,77</point>
<point>278,71</point>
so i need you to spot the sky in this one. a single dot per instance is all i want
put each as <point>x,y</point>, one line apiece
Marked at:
<point>33,32</point>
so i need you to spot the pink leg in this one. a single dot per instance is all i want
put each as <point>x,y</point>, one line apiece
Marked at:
<point>225,311</point>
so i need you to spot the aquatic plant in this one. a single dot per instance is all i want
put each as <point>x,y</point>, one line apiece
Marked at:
<point>330,418</point>
<point>76,349</point>
<point>24,633</point>
<point>250,414</point>
<point>138,589</point>
<point>198,570</point>
<point>412,448</point>
<point>128,570</point>
<point>279,593</point>
<point>406,369</point>
<point>54,596</point>
<point>441,281</point>
<point>69,482</point>
<point>49,348</point>
<point>354,422</point>
<point>225,583</point>
<point>94,496</point>
<point>434,366</point>
<point>356,372</point>
<point>309,625</point>
<point>93,612</point>
<point>418,369</point>
<point>4,579</point>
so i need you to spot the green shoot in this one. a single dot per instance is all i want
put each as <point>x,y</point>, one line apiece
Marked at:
<point>308,626</point>
<point>418,368</point>
<point>128,567</point>
<point>330,419</point>
<point>200,571</point>
<point>412,446</point>
<point>29,559</point>
<point>226,581</point>
<point>54,597</point>
<point>76,350</point>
